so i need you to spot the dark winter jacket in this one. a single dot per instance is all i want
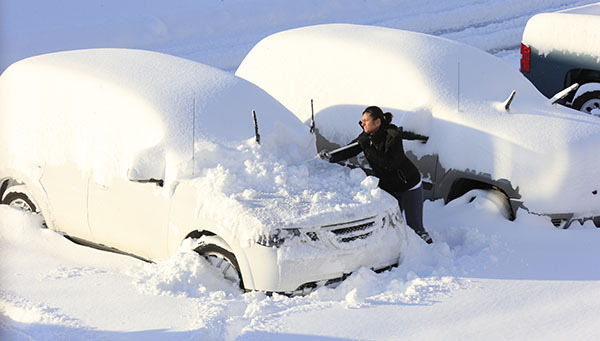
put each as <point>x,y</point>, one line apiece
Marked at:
<point>385,152</point>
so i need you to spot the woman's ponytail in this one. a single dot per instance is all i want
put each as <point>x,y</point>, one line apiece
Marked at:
<point>387,117</point>
<point>377,113</point>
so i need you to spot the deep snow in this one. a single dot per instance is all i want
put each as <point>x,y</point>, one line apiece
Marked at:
<point>484,277</point>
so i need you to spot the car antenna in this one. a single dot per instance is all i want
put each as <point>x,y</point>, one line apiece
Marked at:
<point>312,117</point>
<point>509,100</point>
<point>256,134</point>
<point>458,88</point>
<point>194,137</point>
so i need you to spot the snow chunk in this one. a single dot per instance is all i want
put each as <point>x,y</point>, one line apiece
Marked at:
<point>185,274</point>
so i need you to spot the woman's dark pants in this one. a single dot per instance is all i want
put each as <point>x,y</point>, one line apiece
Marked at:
<point>411,203</point>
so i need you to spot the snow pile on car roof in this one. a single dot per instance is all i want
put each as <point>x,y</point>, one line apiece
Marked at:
<point>103,108</point>
<point>576,30</point>
<point>394,69</point>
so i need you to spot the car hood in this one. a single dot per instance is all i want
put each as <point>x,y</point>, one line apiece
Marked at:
<point>252,193</point>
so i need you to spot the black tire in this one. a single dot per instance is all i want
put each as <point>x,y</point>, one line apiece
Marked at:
<point>20,200</point>
<point>224,261</point>
<point>587,102</point>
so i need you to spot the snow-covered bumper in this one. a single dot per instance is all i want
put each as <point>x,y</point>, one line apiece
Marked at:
<point>305,258</point>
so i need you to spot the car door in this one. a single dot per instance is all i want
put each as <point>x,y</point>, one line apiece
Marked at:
<point>130,216</point>
<point>66,190</point>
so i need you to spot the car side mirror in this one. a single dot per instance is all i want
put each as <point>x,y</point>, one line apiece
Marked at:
<point>147,167</point>
<point>134,176</point>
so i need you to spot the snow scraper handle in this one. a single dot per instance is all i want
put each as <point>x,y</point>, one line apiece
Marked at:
<point>326,155</point>
<point>354,144</point>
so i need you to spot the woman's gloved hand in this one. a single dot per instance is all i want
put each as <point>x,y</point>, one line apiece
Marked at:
<point>324,155</point>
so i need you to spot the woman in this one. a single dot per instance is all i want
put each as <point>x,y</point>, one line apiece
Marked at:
<point>381,142</point>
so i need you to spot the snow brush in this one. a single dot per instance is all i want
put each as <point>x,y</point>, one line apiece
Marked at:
<point>326,155</point>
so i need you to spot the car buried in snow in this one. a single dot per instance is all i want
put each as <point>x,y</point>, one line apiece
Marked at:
<point>143,152</point>
<point>491,133</point>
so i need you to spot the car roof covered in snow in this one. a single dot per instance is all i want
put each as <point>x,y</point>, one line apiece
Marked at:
<point>108,106</point>
<point>417,77</point>
<point>574,30</point>
<point>416,70</point>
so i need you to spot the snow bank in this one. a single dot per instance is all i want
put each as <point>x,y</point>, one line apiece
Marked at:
<point>574,30</point>
<point>483,273</point>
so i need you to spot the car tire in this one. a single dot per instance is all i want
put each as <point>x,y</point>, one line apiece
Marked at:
<point>20,200</point>
<point>223,260</point>
<point>496,197</point>
<point>587,102</point>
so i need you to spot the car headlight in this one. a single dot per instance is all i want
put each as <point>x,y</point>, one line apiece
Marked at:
<point>277,237</point>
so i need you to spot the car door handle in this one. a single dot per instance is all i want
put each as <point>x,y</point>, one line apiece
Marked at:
<point>101,186</point>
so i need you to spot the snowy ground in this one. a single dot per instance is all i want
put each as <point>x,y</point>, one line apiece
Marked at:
<point>484,277</point>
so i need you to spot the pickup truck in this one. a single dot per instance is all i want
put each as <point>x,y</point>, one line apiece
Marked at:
<point>561,49</point>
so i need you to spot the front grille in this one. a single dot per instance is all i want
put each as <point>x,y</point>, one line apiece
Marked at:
<point>349,239</point>
<point>352,230</point>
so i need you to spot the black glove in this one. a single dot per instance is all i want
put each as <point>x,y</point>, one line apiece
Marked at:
<point>324,155</point>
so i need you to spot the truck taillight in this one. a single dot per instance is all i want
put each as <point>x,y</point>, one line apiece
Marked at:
<point>525,58</point>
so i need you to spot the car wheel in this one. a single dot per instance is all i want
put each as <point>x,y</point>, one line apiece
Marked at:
<point>20,200</point>
<point>223,260</point>
<point>496,197</point>
<point>589,103</point>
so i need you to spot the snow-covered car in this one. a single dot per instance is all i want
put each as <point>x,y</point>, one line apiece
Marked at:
<point>517,147</point>
<point>141,151</point>
<point>561,49</point>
